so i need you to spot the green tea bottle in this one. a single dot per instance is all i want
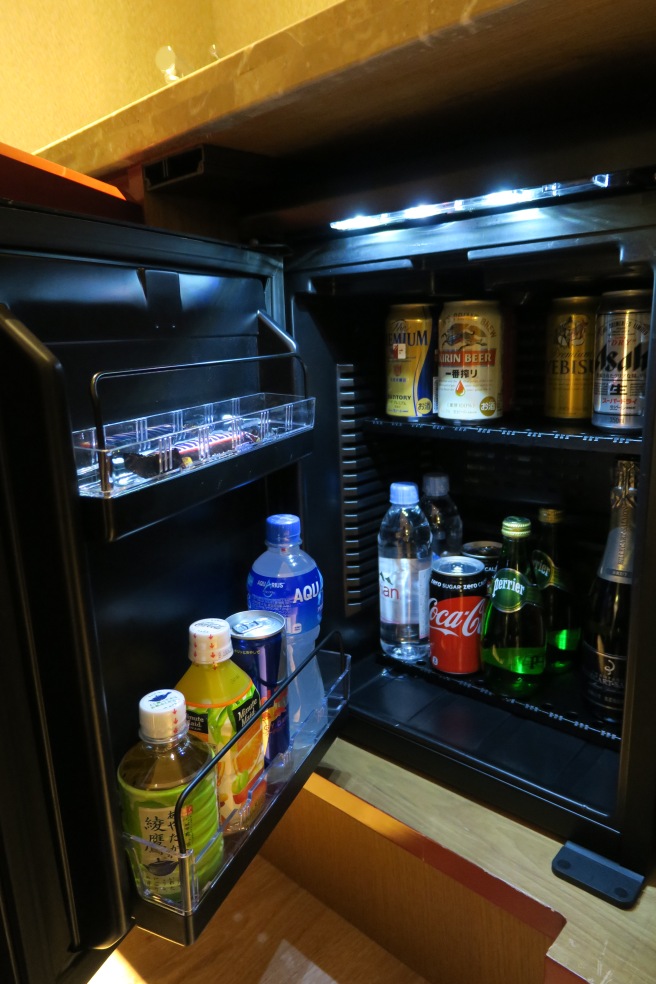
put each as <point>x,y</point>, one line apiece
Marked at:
<point>151,777</point>
<point>513,637</point>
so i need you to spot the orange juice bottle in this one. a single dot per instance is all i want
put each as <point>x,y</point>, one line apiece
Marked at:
<point>221,702</point>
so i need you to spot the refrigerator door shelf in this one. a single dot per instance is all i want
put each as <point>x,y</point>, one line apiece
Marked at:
<point>146,450</point>
<point>181,918</point>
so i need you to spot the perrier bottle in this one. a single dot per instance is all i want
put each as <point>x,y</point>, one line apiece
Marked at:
<point>513,638</point>
<point>559,606</point>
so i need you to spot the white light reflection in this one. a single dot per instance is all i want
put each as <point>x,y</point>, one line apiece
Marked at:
<point>496,199</point>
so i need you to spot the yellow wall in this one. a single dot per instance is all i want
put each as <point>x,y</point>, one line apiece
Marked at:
<point>65,65</point>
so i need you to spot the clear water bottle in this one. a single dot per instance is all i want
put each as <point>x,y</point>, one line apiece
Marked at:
<point>286,580</point>
<point>442,515</point>
<point>404,568</point>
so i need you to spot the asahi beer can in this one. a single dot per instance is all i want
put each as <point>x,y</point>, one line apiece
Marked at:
<point>470,354</point>
<point>458,592</point>
<point>570,355</point>
<point>410,353</point>
<point>621,350</point>
<point>260,649</point>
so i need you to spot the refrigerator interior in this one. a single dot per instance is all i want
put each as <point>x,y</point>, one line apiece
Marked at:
<point>546,758</point>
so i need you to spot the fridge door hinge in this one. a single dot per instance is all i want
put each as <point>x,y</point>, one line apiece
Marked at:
<point>598,875</point>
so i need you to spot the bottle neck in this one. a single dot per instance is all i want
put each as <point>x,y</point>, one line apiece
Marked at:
<point>514,554</point>
<point>617,561</point>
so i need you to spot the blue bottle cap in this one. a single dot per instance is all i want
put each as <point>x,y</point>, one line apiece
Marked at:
<point>404,494</point>
<point>283,528</point>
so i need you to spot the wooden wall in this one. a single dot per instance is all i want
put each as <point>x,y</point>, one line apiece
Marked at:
<point>67,65</point>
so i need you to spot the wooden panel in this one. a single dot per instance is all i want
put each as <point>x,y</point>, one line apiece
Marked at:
<point>268,931</point>
<point>433,922</point>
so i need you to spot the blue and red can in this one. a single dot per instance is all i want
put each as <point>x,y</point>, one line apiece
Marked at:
<point>260,649</point>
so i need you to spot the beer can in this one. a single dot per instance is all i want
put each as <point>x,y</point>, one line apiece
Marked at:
<point>470,355</point>
<point>570,358</point>
<point>487,551</point>
<point>458,592</point>
<point>260,649</point>
<point>621,350</point>
<point>410,353</point>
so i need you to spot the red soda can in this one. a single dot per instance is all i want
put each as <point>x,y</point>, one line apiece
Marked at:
<point>458,592</point>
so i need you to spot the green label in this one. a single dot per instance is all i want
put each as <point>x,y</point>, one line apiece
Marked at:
<point>546,572</point>
<point>511,590</point>
<point>527,661</point>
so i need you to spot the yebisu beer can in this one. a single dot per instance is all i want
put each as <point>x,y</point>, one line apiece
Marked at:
<point>410,351</point>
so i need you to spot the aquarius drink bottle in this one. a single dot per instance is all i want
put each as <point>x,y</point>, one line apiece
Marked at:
<point>285,579</point>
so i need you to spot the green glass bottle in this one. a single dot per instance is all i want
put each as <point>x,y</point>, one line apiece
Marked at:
<point>559,606</point>
<point>513,638</point>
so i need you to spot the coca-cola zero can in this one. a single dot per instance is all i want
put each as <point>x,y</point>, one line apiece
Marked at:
<point>458,591</point>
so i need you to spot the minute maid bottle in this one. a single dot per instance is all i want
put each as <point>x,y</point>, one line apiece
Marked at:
<point>221,701</point>
<point>286,580</point>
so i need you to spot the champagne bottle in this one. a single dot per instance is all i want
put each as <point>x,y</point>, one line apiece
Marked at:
<point>513,639</point>
<point>558,603</point>
<point>605,639</point>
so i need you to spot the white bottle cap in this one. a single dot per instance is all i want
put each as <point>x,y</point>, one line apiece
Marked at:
<point>162,714</point>
<point>210,641</point>
<point>404,494</point>
<point>436,483</point>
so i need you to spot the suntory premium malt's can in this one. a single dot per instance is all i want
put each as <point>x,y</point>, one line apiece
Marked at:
<point>570,358</point>
<point>470,384</point>
<point>458,590</point>
<point>410,347</point>
<point>621,349</point>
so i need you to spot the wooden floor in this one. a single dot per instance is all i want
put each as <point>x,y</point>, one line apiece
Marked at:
<point>268,931</point>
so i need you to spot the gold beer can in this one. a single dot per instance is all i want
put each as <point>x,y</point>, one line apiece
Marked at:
<point>410,347</point>
<point>470,380</point>
<point>570,358</point>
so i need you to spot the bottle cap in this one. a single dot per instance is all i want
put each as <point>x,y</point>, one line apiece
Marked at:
<point>210,641</point>
<point>283,528</point>
<point>404,494</point>
<point>549,515</point>
<point>162,714</point>
<point>516,527</point>
<point>436,483</point>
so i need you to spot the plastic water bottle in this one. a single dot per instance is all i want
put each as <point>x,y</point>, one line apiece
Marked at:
<point>442,515</point>
<point>286,580</point>
<point>404,568</point>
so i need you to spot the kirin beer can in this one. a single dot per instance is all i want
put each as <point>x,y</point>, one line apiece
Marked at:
<point>570,358</point>
<point>621,350</point>
<point>260,649</point>
<point>410,350</point>
<point>470,355</point>
<point>458,593</point>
